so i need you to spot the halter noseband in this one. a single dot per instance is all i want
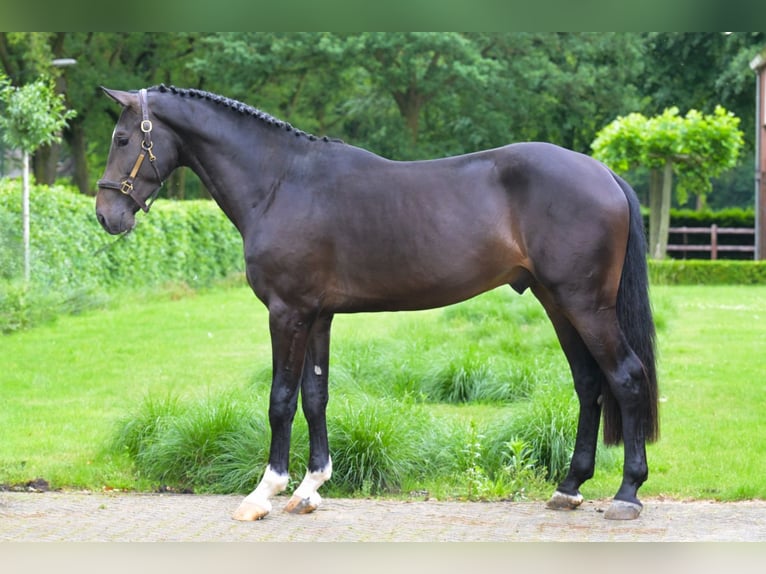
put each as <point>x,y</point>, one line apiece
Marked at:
<point>126,185</point>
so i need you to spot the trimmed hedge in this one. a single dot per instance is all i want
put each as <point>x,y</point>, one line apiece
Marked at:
<point>74,261</point>
<point>703,272</point>
<point>729,217</point>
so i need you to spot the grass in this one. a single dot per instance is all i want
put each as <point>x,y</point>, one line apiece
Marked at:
<point>64,385</point>
<point>714,394</point>
<point>173,389</point>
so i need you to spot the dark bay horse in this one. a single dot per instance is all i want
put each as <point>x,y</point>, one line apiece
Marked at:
<point>331,228</point>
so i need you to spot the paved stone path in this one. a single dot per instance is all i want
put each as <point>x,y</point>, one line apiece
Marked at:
<point>56,516</point>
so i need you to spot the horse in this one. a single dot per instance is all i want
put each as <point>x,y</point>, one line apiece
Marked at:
<point>331,228</point>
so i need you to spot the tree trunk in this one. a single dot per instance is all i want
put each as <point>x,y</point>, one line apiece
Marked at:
<point>25,216</point>
<point>409,104</point>
<point>655,207</point>
<point>412,119</point>
<point>661,247</point>
<point>45,163</point>
<point>176,184</point>
<point>660,193</point>
<point>77,147</point>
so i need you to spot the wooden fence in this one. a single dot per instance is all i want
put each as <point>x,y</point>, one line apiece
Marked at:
<point>714,247</point>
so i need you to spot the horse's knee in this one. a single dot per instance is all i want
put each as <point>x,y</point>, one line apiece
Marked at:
<point>282,408</point>
<point>314,403</point>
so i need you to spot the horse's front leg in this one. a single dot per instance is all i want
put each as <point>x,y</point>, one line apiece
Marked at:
<point>314,396</point>
<point>289,334</point>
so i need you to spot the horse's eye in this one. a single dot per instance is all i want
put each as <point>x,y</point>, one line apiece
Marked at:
<point>121,141</point>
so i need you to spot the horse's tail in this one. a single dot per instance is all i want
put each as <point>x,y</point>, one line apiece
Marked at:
<point>634,313</point>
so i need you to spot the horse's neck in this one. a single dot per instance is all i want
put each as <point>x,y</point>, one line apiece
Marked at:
<point>236,180</point>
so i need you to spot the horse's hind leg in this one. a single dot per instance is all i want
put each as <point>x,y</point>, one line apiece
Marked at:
<point>588,380</point>
<point>625,375</point>
<point>314,397</point>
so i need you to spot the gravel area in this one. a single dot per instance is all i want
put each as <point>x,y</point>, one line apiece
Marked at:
<point>119,517</point>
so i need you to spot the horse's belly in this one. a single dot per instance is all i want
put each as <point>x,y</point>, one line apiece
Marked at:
<point>397,293</point>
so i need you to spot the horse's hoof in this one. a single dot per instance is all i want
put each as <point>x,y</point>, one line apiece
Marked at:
<point>298,505</point>
<point>623,510</point>
<point>561,501</point>
<point>249,511</point>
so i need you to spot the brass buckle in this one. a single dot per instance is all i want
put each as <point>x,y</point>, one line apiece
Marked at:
<point>126,187</point>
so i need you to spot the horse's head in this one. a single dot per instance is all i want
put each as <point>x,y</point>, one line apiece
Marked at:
<point>140,157</point>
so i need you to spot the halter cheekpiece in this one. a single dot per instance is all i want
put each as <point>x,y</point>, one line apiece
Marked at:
<point>126,185</point>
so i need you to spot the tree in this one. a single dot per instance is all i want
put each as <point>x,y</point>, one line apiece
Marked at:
<point>421,71</point>
<point>694,148</point>
<point>299,77</point>
<point>125,60</point>
<point>563,87</point>
<point>33,115</point>
<point>699,70</point>
<point>402,95</point>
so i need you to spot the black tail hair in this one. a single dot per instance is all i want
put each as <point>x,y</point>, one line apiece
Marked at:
<point>634,313</point>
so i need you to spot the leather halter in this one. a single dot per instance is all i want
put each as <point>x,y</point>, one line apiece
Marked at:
<point>126,185</point>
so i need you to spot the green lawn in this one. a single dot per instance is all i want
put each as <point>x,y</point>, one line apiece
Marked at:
<point>713,368</point>
<point>66,386</point>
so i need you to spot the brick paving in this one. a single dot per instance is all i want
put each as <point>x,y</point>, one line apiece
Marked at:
<point>120,517</point>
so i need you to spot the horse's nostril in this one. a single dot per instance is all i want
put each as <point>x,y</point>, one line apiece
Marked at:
<point>101,219</point>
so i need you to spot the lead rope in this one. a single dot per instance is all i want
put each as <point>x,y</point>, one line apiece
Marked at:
<point>107,246</point>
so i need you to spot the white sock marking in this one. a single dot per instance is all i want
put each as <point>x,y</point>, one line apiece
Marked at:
<point>311,483</point>
<point>271,484</point>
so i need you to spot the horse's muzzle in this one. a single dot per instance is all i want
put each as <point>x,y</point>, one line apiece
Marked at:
<point>105,224</point>
<point>115,223</point>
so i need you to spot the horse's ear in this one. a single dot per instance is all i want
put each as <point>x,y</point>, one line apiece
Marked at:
<point>122,98</point>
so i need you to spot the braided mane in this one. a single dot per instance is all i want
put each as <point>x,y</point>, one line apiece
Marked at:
<point>240,108</point>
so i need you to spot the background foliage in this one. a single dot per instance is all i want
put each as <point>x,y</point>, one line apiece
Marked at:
<point>401,94</point>
<point>75,265</point>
